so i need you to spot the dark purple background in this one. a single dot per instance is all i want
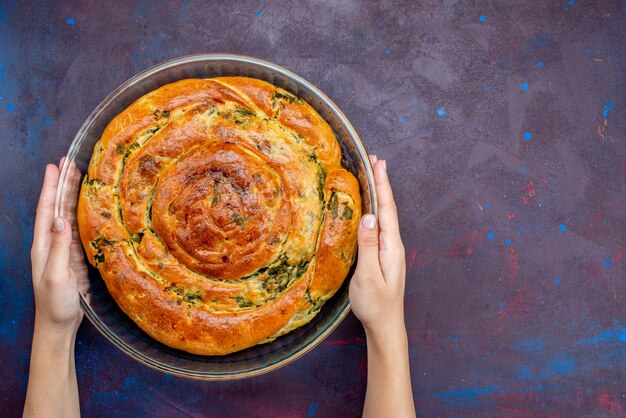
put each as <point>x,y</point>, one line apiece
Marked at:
<point>503,129</point>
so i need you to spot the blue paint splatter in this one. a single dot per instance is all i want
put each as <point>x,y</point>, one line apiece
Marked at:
<point>378,20</point>
<point>486,88</point>
<point>312,409</point>
<point>387,52</point>
<point>501,391</point>
<point>608,106</point>
<point>402,119</point>
<point>524,373</point>
<point>507,242</point>
<point>532,345</point>
<point>561,365</point>
<point>414,102</point>
<point>539,64</point>
<point>441,112</point>
<point>522,170</point>
<point>47,122</point>
<point>259,13</point>
<point>482,18</point>
<point>570,2</point>
<point>455,339</point>
<point>10,107</point>
<point>607,263</point>
<point>618,332</point>
<point>70,21</point>
<point>562,228</point>
<point>528,136</point>
<point>490,235</point>
<point>557,281</point>
<point>524,86</point>
<point>487,206</point>
<point>521,229</point>
<point>467,394</point>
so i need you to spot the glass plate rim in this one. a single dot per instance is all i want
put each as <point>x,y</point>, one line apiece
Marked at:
<point>79,139</point>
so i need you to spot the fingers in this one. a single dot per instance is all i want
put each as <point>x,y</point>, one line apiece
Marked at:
<point>57,267</point>
<point>70,192</point>
<point>368,263</point>
<point>373,159</point>
<point>44,219</point>
<point>388,214</point>
<point>45,207</point>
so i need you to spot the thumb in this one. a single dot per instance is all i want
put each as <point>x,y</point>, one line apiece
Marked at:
<point>57,267</point>
<point>368,244</point>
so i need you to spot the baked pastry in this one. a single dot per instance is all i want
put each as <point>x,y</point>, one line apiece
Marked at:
<point>218,213</point>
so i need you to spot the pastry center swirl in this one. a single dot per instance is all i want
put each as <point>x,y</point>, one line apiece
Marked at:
<point>218,204</point>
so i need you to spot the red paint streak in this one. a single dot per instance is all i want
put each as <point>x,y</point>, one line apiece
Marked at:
<point>513,262</point>
<point>543,180</point>
<point>618,256</point>
<point>464,245</point>
<point>529,191</point>
<point>515,411</point>
<point>516,307</point>
<point>356,340</point>
<point>510,216</point>
<point>414,259</point>
<point>608,403</point>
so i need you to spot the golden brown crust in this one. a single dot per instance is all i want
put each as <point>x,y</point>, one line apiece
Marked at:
<point>293,113</point>
<point>218,214</point>
<point>336,245</point>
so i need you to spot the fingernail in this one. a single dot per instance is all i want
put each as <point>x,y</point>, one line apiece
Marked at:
<point>59,225</point>
<point>385,164</point>
<point>369,221</point>
<point>374,158</point>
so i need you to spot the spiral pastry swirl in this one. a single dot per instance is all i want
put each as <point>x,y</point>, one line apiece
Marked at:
<point>218,213</point>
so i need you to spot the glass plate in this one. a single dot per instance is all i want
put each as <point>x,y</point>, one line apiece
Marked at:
<point>95,300</point>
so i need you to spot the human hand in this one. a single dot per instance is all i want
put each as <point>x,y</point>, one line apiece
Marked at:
<point>377,286</point>
<point>57,259</point>
<point>58,264</point>
<point>377,299</point>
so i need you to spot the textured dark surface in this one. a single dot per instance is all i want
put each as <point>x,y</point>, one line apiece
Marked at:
<point>503,128</point>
